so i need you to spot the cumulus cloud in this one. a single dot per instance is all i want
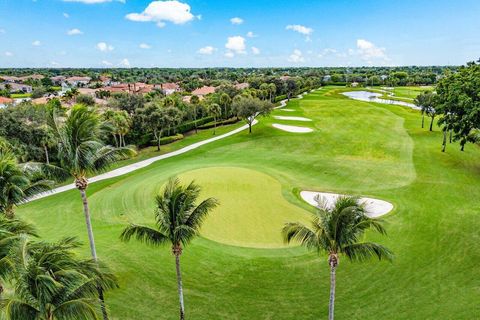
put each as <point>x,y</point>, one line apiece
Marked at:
<point>124,63</point>
<point>144,46</point>
<point>255,50</point>
<point>93,1</point>
<point>236,20</point>
<point>66,15</point>
<point>106,63</point>
<point>54,63</point>
<point>208,50</point>
<point>250,34</point>
<point>161,12</point>
<point>229,54</point>
<point>326,52</point>
<point>368,51</point>
<point>235,45</point>
<point>104,47</point>
<point>8,54</point>
<point>36,43</point>
<point>296,56</point>
<point>74,32</point>
<point>306,31</point>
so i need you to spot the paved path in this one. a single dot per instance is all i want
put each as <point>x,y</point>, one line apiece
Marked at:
<point>144,163</point>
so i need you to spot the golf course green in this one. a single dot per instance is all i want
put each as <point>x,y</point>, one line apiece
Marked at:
<point>241,269</point>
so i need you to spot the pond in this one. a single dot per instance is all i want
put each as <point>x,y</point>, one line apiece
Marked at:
<point>374,97</point>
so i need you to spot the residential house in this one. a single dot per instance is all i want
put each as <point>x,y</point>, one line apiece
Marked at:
<point>242,86</point>
<point>5,101</point>
<point>16,87</point>
<point>78,81</point>
<point>58,80</point>
<point>203,91</point>
<point>169,88</point>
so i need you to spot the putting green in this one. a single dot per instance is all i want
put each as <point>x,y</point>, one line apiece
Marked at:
<point>246,216</point>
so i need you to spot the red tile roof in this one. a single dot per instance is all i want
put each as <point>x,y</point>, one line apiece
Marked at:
<point>203,91</point>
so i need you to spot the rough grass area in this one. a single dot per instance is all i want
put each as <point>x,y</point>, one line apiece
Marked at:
<point>357,148</point>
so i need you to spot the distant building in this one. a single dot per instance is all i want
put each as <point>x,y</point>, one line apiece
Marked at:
<point>327,78</point>
<point>137,88</point>
<point>16,87</point>
<point>78,81</point>
<point>284,78</point>
<point>242,86</point>
<point>203,91</point>
<point>354,84</point>
<point>31,77</point>
<point>10,79</point>
<point>58,80</point>
<point>169,88</point>
<point>5,101</point>
<point>87,91</point>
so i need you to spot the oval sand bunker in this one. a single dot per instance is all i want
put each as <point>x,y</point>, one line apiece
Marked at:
<point>375,208</point>
<point>293,129</point>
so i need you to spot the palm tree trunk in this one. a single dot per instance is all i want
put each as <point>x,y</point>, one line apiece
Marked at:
<point>82,184</point>
<point>451,136</point>
<point>47,159</point>
<point>444,143</point>
<point>423,120</point>
<point>214,125</point>
<point>431,124</point>
<point>179,283</point>
<point>331,305</point>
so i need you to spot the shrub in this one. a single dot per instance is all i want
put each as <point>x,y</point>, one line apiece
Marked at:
<point>167,140</point>
<point>219,123</point>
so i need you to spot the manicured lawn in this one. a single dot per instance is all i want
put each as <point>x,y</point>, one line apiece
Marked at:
<point>20,95</point>
<point>357,148</point>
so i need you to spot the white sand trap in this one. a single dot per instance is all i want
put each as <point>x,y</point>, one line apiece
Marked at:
<point>375,208</point>
<point>293,129</point>
<point>289,110</point>
<point>292,118</point>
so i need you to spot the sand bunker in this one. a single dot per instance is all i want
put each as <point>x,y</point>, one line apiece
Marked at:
<point>294,129</point>
<point>375,208</point>
<point>289,110</point>
<point>292,118</point>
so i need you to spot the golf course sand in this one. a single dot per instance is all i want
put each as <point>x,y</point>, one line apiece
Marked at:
<point>292,118</point>
<point>375,208</point>
<point>294,129</point>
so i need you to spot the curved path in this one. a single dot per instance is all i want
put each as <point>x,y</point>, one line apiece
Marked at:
<point>144,163</point>
<point>375,207</point>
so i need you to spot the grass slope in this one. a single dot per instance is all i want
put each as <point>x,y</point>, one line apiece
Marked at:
<point>358,148</point>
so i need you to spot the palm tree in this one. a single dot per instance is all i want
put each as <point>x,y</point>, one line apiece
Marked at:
<point>215,111</point>
<point>50,282</point>
<point>177,221</point>
<point>17,183</point>
<point>11,231</point>
<point>82,153</point>
<point>336,230</point>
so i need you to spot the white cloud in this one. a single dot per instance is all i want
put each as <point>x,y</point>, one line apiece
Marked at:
<point>74,32</point>
<point>306,31</point>
<point>104,47</point>
<point>296,56</point>
<point>8,53</point>
<point>161,12</point>
<point>369,51</point>
<point>236,20</point>
<point>106,63</point>
<point>199,17</point>
<point>326,52</point>
<point>145,46</point>
<point>2,31</point>
<point>206,50</point>
<point>255,50</point>
<point>54,63</point>
<point>66,15</point>
<point>124,63</point>
<point>36,43</point>
<point>250,34</point>
<point>93,1</point>
<point>235,45</point>
<point>229,54</point>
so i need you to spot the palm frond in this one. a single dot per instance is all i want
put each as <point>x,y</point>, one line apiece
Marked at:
<point>198,214</point>
<point>366,250</point>
<point>143,234</point>
<point>298,232</point>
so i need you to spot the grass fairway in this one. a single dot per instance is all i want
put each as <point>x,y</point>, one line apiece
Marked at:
<point>252,210</point>
<point>357,148</point>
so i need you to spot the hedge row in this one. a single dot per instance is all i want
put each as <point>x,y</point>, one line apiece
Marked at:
<point>167,140</point>
<point>188,126</point>
<point>219,123</point>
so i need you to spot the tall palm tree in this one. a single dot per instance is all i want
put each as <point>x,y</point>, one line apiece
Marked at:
<point>81,152</point>
<point>215,111</point>
<point>17,183</point>
<point>177,221</point>
<point>11,231</point>
<point>51,283</point>
<point>337,230</point>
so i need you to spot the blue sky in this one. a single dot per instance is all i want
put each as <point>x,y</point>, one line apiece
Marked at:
<point>204,33</point>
